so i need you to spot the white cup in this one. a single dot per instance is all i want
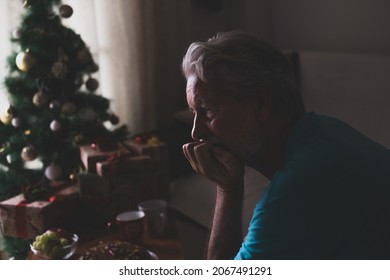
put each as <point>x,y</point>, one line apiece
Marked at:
<point>155,215</point>
<point>129,226</point>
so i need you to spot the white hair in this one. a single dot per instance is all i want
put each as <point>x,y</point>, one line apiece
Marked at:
<point>238,63</point>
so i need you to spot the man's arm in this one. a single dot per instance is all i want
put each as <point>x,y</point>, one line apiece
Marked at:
<point>226,234</point>
<point>227,172</point>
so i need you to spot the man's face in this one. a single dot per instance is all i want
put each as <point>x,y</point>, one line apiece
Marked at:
<point>223,120</point>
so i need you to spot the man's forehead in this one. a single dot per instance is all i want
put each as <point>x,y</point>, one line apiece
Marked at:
<point>199,92</point>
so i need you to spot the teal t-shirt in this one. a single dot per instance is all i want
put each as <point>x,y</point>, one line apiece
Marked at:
<point>329,201</point>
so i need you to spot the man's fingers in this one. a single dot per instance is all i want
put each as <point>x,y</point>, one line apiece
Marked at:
<point>199,155</point>
<point>204,158</point>
<point>213,162</point>
<point>188,150</point>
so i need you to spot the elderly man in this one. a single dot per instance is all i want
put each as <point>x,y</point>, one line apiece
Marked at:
<point>328,196</point>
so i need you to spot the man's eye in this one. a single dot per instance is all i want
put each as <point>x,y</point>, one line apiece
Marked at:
<point>208,112</point>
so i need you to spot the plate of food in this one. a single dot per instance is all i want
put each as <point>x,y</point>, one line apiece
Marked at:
<point>118,250</point>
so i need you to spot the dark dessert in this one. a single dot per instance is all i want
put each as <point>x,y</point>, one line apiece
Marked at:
<point>117,250</point>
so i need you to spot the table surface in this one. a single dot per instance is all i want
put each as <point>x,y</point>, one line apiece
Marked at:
<point>166,246</point>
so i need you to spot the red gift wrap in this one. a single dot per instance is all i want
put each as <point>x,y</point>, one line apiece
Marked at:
<point>92,154</point>
<point>120,179</point>
<point>121,163</point>
<point>24,219</point>
<point>157,150</point>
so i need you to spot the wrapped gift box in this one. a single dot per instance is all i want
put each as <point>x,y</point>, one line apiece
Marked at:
<point>92,154</point>
<point>123,164</point>
<point>97,207</point>
<point>158,153</point>
<point>104,197</point>
<point>120,180</point>
<point>157,150</point>
<point>143,170</point>
<point>28,219</point>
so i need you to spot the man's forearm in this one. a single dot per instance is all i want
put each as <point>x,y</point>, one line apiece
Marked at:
<point>226,234</point>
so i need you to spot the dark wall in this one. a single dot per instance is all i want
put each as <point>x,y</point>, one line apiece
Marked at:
<point>360,26</point>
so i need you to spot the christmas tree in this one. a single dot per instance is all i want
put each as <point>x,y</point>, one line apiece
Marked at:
<point>53,109</point>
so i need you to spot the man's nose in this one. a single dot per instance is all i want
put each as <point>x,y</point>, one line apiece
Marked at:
<point>199,129</point>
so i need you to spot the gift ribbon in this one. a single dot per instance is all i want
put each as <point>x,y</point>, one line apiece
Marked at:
<point>115,160</point>
<point>21,214</point>
<point>44,194</point>
<point>20,219</point>
<point>56,198</point>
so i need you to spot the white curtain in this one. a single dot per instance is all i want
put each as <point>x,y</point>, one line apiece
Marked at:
<point>141,43</point>
<point>124,35</point>
<point>9,18</point>
<point>117,33</point>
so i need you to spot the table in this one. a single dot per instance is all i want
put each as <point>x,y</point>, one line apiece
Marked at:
<point>166,246</point>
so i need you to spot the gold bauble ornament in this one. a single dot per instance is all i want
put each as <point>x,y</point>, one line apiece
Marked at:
<point>66,11</point>
<point>6,118</point>
<point>29,153</point>
<point>40,99</point>
<point>25,61</point>
<point>68,109</point>
<point>59,70</point>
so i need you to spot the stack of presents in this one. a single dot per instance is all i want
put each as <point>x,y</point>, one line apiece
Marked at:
<point>114,178</point>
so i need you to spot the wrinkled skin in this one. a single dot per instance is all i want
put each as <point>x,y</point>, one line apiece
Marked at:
<point>226,133</point>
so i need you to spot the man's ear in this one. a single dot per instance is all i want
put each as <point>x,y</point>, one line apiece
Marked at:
<point>264,102</point>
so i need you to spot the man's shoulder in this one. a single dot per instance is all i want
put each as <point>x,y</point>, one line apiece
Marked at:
<point>327,140</point>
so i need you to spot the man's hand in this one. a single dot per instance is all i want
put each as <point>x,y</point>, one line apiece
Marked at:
<point>216,164</point>
<point>220,166</point>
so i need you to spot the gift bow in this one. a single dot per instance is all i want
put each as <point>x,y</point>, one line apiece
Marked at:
<point>117,157</point>
<point>115,160</point>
